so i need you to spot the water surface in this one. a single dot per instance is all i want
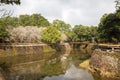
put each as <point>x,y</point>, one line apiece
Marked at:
<point>48,66</point>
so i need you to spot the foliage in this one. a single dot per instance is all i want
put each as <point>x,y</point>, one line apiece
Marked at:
<point>19,34</point>
<point>4,24</point>
<point>33,20</point>
<point>61,25</point>
<point>38,20</point>
<point>82,33</point>
<point>25,34</point>
<point>3,32</point>
<point>72,36</point>
<point>117,5</point>
<point>51,35</point>
<point>26,20</point>
<point>10,1</point>
<point>109,28</point>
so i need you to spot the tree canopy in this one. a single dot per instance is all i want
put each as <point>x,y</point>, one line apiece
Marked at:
<point>51,35</point>
<point>3,32</point>
<point>61,25</point>
<point>26,20</point>
<point>109,27</point>
<point>82,33</point>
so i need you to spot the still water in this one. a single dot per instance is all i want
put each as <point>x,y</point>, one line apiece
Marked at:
<point>72,73</point>
<point>48,66</point>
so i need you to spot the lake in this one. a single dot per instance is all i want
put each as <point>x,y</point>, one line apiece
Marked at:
<point>48,66</point>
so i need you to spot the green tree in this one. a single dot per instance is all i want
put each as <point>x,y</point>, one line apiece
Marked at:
<point>38,20</point>
<point>51,35</point>
<point>93,31</point>
<point>72,36</point>
<point>24,20</point>
<point>3,32</point>
<point>82,33</point>
<point>61,25</point>
<point>10,21</point>
<point>109,28</point>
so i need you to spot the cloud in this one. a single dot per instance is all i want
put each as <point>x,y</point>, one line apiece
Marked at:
<point>86,12</point>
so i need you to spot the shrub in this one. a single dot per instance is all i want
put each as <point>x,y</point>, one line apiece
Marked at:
<point>51,35</point>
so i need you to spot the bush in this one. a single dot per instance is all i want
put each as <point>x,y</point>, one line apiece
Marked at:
<point>51,35</point>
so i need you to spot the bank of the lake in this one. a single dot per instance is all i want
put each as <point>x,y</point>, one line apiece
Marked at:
<point>107,63</point>
<point>103,64</point>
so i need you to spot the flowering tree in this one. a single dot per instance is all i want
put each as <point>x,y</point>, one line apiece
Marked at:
<point>27,34</point>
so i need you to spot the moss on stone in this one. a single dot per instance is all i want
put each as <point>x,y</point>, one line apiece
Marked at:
<point>85,64</point>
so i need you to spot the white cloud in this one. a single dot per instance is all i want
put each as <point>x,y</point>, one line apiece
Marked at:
<point>86,12</point>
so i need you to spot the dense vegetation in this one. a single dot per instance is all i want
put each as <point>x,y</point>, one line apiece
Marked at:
<point>51,35</point>
<point>25,20</point>
<point>40,29</point>
<point>109,28</point>
<point>82,33</point>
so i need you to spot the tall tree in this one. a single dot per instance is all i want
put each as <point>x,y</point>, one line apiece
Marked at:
<point>39,20</point>
<point>24,20</point>
<point>61,25</point>
<point>109,27</point>
<point>82,33</point>
<point>10,21</point>
<point>3,32</point>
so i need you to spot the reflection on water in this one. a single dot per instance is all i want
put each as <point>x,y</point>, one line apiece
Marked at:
<point>73,73</point>
<point>33,67</point>
<point>49,66</point>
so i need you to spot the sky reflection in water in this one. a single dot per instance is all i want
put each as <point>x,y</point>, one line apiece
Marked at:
<point>72,73</point>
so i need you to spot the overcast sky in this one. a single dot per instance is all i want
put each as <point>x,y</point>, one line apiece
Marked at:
<point>85,12</point>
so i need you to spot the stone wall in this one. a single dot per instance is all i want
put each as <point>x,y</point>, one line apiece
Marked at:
<point>106,63</point>
<point>29,48</point>
<point>21,49</point>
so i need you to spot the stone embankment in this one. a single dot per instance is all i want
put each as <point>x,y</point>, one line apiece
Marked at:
<point>21,49</point>
<point>29,48</point>
<point>106,63</point>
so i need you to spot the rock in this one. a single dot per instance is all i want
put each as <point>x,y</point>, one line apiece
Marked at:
<point>107,63</point>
